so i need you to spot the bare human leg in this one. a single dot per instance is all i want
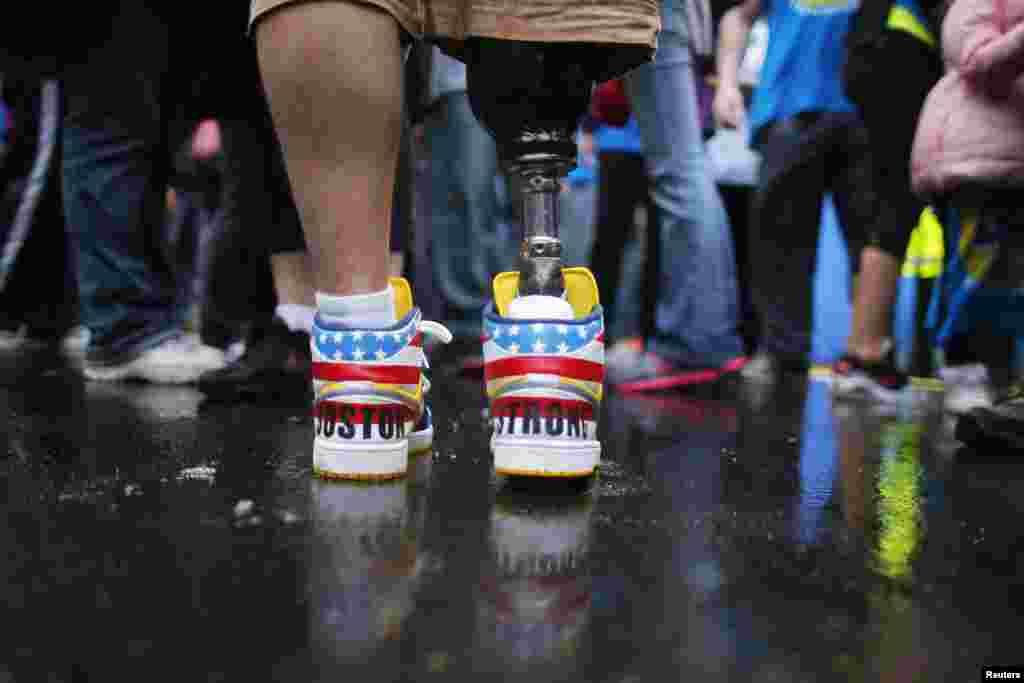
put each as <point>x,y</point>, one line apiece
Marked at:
<point>293,279</point>
<point>333,75</point>
<point>874,299</point>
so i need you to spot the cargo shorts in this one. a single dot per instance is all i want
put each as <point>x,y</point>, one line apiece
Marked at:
<point>628,28</point>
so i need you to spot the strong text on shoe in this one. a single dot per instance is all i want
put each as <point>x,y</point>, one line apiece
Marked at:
<point>545,382</point>
<point>369,394</point>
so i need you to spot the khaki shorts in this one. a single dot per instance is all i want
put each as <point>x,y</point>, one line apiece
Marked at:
<point>626,23</point>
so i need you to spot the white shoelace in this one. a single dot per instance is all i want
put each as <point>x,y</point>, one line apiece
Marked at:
<point>437,331</point>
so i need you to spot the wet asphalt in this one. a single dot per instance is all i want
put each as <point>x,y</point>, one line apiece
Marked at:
<point>735,533</point>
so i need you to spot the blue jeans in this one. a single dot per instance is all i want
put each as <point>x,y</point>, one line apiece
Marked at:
<point>467,247</point>
<point>115,171</point>
<point>576,208</point>
<point>697,314</point>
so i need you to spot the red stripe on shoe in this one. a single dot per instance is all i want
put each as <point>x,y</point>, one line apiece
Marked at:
<point>417,340</point>
<point>382,374</point>
<point>357,413</point>
<point>573,368</point>
<point>515,405</point>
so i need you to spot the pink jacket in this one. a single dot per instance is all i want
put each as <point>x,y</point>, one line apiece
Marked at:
<point>971,129</point>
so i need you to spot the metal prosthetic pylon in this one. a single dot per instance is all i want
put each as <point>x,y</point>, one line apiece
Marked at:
<point>540,257</point>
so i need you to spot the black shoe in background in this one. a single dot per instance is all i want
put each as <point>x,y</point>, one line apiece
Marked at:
<point>1000,426</point>
<point>277,363</point>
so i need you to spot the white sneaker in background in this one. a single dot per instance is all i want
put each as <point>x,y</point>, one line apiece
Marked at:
<point>178,360</point>
<point>76,341</point>
<point>235,351</point>
<point>973,373</point>
<point>966,387</point>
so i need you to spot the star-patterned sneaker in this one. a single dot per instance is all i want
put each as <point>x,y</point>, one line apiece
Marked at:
<point>369,391</point>
<point>544,382</point>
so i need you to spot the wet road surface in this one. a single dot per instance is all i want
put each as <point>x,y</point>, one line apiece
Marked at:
<point>733,534</point>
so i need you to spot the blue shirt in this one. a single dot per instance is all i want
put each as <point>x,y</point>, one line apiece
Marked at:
<point>582,175</point>
<point>806,49</point>
<point>616,139</point>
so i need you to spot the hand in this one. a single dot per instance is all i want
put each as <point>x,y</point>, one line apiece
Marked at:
<point>206,140</point>
<point>728,107</point>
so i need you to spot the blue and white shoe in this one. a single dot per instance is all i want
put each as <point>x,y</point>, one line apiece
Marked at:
<point>544,367</point>
<point>369,389</point>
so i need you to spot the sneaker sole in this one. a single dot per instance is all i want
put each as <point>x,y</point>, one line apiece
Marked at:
<point>862,387</point>
<point>682,379</point>
<point>529,458</point>
<point>963,406</point>
<point>364,462</point>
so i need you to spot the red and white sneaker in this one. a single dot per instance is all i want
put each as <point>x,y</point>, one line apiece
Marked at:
<point>545,380</point>
<point>369,392</point>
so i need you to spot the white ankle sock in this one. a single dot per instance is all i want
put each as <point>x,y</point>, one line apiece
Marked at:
<point>539,307</point>
<point>373,310</point>
<point>297,317</point>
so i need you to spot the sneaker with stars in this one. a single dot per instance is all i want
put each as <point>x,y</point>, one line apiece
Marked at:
<point>545,381</point>
<point>369,394</point>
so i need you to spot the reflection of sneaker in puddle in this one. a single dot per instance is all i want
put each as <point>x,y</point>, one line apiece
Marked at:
<point>154,402</point>
<point>640,371</point>
<point>668,414</point>
<point>366,554</point>
<point>535,602</point>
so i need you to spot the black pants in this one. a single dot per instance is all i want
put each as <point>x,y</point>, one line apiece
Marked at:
<point>41,292</point>
<point>260,217</point>
<point>803,158</point>
<point>890,81</point>
<point>623,186</point>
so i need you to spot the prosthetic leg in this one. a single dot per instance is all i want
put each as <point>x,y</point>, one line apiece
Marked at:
<point>543,359</point>
<point>530,97</point>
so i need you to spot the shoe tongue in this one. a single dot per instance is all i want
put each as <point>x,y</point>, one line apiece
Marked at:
<point>539,307</point>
